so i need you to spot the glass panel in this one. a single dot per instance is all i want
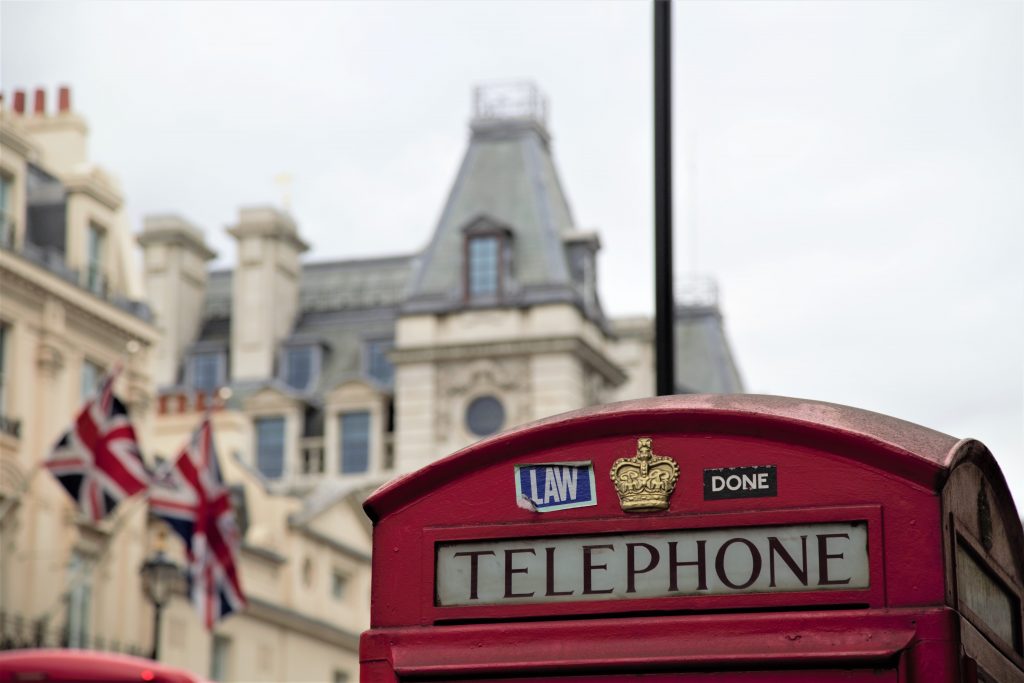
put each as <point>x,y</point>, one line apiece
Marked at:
<point>95,280</point>
<point>483,266</point>
<point>5,189</point>
<point>6,220</point>
<point>298,363</point>
<point>219,658</point>
<point>355,442</point>
<point>91,373</point>
<point>270,446</point>
<point>79,599</point>
<point>206,371</point>
<point>378,366</point>
<point>990,601</point>
<point>3,363</point>
<point>338,581</point>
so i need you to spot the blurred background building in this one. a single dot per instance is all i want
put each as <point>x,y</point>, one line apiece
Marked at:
<point>363,368</point>
<point>70,307</point>
<point>324,379</point>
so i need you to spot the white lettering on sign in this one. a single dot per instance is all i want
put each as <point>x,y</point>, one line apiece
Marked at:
<point>559,485</point>
<point>737,482</point>
<point>546,487</point>
<point>807,557</point>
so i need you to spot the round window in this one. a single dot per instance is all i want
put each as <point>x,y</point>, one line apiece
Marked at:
<point>485,415</point>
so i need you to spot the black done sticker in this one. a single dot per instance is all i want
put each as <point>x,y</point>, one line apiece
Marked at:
<point>758,481</point>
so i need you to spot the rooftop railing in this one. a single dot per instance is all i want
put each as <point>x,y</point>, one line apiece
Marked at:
<point>510,100</point>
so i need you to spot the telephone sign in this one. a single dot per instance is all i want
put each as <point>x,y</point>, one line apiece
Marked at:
<point>714,562</point>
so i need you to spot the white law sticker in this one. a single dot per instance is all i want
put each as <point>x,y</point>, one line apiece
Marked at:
<point>806,557</point>
<point>546,487</point>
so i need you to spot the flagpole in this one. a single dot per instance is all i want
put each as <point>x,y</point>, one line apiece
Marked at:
<point>213,537</point>
<point>125,514</point>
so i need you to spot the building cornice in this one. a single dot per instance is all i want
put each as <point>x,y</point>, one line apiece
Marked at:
<point>291,239</point>
<point>93,184</point>
<point>344,549</point>
<point>174,235</point>
<point>15,271</point>
<point>264,554</point>
<point>266,611</point>
<point>466,352</point>
<point>268,222</point>
<point>15,139</point>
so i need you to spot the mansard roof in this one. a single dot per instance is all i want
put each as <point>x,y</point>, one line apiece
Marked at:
<point>507,179</point>
<point>342,305</point>
<point>327,286</point>
<point>703,361</point>
<point>507,184</point>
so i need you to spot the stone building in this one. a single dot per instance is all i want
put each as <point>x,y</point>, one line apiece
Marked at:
<point>323,379</point>
<point>331,377</point>
<point>360,369</point>
<point>70,307</point>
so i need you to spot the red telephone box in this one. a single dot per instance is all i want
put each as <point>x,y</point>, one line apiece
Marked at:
<point>701,538</point>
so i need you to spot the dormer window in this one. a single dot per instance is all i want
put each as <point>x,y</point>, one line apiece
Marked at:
<point>486,258</point>
<point>378,365</point>
<point>206,370</point>
<point>355,442</point>
<point>300,365</point>
<point>270,448</point>
<point>483,266</point>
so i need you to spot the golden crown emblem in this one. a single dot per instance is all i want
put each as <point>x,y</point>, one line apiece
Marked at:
<point>645,481</point>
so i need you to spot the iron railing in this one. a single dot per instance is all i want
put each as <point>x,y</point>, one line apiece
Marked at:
<point>10,426</point>
<point>19,632</point>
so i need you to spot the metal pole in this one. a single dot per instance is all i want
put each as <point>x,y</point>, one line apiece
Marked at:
<point>664,308</point>
<point>157,610</point>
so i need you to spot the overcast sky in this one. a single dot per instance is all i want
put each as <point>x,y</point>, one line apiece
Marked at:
<point>850,172</point>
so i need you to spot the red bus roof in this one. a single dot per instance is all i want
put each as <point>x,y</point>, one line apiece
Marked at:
<point>67,666</point>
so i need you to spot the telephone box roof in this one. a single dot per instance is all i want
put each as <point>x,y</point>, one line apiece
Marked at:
<point>920,455</point>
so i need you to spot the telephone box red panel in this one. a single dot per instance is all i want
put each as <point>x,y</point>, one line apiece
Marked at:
<point>750,537</point>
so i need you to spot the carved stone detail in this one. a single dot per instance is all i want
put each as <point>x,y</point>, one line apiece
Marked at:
<point>459,382</point>
<point>49,359</point>
<point>595,389</point>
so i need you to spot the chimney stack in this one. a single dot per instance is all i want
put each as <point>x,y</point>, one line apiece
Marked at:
<point>59,139</point>
<point>40,102</point>
<point>265,289</point>
<point>175,271</point>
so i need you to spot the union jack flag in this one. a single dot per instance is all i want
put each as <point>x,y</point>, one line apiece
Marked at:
<point>97,460</point>
<point>191,497</point>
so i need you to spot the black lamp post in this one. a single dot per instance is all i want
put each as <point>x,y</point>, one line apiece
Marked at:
<point>664,307</point>
<point>159,577</point>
